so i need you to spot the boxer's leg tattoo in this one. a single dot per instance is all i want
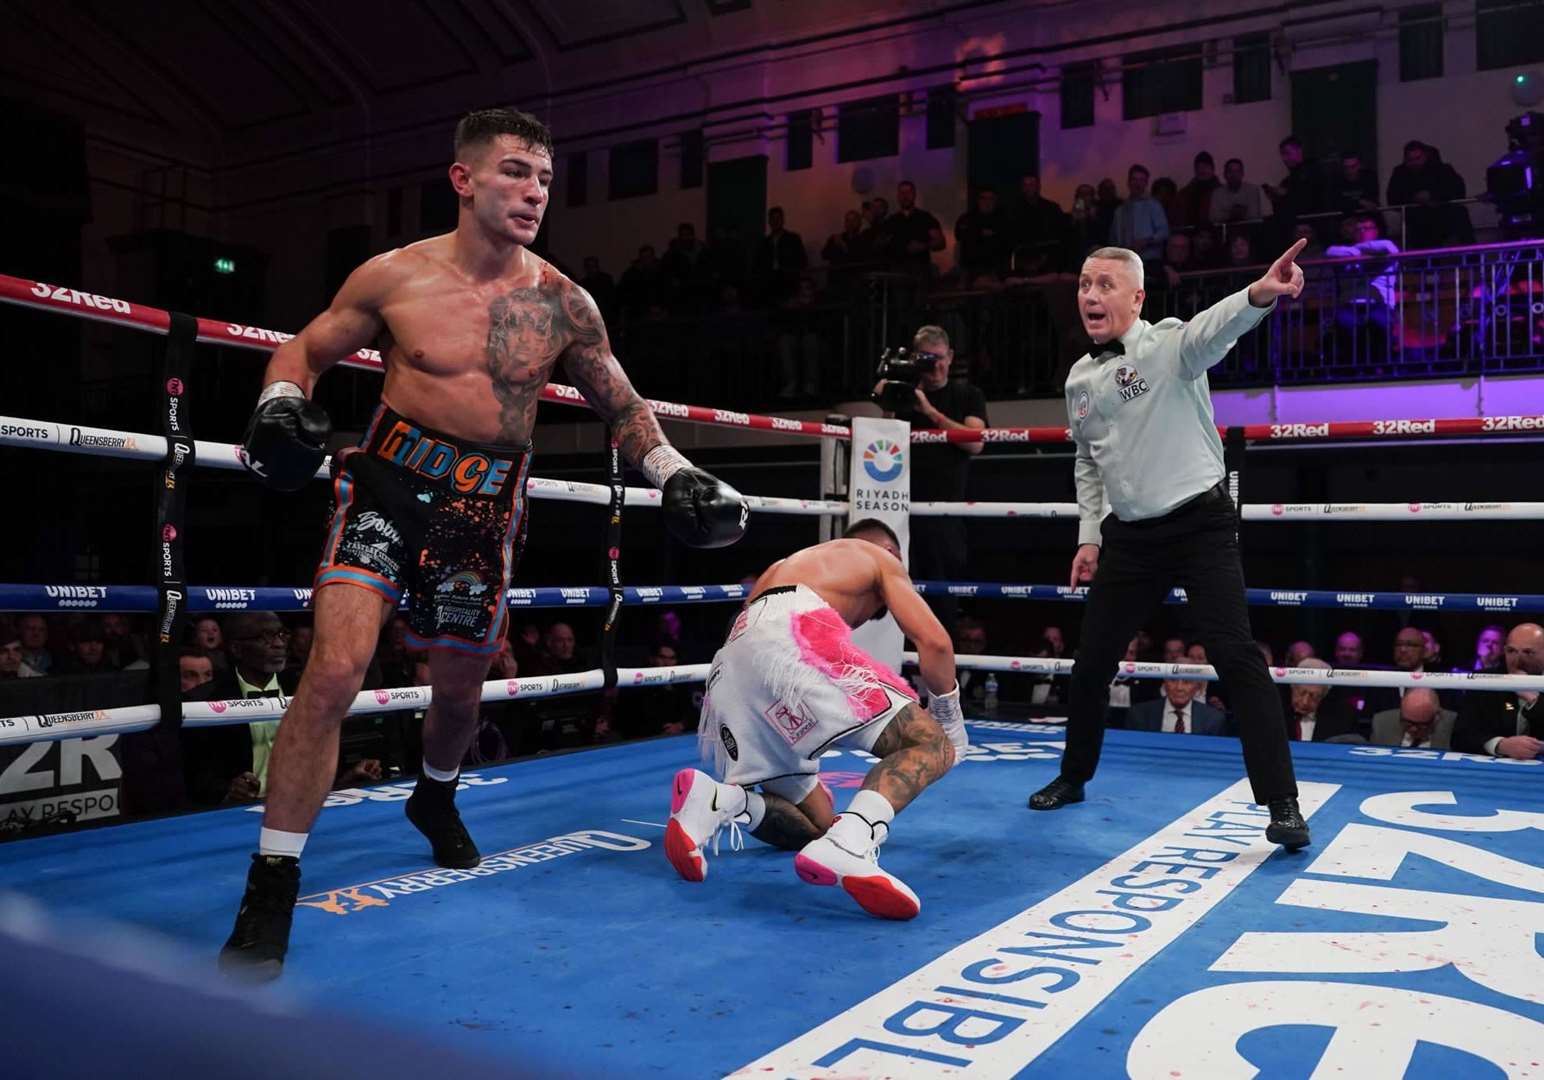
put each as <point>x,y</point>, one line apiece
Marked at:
<point>784,825</point>
<point>914,752</point>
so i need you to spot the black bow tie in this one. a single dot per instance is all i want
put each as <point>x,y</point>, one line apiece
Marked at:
<point>1110,348</point>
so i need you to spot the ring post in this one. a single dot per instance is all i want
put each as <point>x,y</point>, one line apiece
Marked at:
<point>833,475</point>
<point>170,518</point>
<point>608,637</point>
<point>1234,447</point>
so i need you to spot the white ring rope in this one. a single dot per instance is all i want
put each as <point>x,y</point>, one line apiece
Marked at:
<point>75,439</point>
<point>1320,512</point>
<point>1144,669</point>
<point>138,446</point>
<point>131,718</point>
<point>127,719</point>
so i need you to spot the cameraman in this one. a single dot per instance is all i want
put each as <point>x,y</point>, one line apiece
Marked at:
<point>938,469</point>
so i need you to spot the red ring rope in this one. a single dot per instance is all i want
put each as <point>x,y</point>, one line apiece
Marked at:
<point>124,313</point>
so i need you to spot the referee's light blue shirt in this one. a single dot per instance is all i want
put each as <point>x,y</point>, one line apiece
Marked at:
<point>1143,424</point>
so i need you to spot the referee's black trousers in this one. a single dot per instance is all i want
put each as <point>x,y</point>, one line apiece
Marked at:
<point>1196,548</point>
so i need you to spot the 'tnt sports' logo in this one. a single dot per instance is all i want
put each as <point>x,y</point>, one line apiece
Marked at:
<point>883,460</point>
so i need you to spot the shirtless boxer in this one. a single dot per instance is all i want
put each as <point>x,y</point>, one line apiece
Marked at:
<point>788,685</point>
<point>431,505</point>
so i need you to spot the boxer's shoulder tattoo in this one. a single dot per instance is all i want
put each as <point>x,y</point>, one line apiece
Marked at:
<point>589,362</point>
<point>526,331</point>
<point>583,317</point>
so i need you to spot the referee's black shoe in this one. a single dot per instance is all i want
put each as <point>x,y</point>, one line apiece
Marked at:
<point>1287,826</point>
<point>1055,795</point>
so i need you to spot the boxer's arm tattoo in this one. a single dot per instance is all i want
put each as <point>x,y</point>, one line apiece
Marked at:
<point>784,825</point>
<point>914,752</point>
<point>600,378</point>
<point>522,341</point>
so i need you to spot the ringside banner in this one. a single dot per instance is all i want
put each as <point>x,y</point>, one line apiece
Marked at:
<point>879,486</point>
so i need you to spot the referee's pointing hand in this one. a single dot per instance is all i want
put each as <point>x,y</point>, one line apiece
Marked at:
<point>1284,278</point>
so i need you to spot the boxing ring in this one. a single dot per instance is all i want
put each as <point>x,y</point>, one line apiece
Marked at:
<point>1149,932</point>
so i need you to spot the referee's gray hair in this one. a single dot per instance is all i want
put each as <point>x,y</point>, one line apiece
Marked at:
<point>1120,254</point>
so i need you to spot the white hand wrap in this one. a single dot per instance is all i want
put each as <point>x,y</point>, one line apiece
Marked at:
<point>278,390</point>
<point>661,463</point>
<point>945,708</point>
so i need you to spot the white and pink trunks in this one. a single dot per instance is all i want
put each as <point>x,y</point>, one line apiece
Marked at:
<point>788,685</point>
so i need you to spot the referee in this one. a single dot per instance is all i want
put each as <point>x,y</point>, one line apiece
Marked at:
<point>1150,493</point>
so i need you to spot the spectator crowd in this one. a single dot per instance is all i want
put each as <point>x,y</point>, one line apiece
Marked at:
<point>1224,219</point>
<point>258,654</point>
<point>787,291</point>
<point>1476,722</point>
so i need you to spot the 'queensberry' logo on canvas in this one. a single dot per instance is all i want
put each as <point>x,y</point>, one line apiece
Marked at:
<point>883,460</point>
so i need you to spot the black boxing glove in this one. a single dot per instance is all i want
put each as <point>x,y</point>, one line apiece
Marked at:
<point>703,511</point>
<point>286,438</point>
<point>700,509</point>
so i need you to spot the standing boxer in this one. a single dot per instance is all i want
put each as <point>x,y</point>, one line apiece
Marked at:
<point>432,503</point>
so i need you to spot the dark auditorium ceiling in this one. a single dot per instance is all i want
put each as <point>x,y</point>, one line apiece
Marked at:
<point>203,68</point>
<point>234,89</point>
<point>210,70</point>
<point>194,66</point>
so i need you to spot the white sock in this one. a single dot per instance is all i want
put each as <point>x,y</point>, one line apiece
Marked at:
<point>278,842</point>
<point>865,822</point>
<point>437,774</point>
<point>755,810</point>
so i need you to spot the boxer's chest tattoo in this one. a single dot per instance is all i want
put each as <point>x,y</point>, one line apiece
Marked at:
<point>526,331</point>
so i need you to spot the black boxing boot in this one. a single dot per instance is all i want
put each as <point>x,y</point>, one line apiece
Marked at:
<point>432,810</point>
<point>1287,826</point>
<point>255,950</point>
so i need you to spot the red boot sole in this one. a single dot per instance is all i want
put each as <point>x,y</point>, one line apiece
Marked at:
<point>678,849</point>
<point>877,896</point>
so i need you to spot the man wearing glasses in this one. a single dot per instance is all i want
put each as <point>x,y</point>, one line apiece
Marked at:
<point>938,471</point>
<point>228,765</point>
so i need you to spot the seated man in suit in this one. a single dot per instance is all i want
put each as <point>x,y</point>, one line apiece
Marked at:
<point>228,764</point>
<point>1420,722</point>
<point>1507,725</point>
<point>1177,711</point>
<point>1124,692</point>
<point>1314,715</point>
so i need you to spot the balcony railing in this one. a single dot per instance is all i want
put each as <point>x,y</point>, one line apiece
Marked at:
<point>1449,312</point>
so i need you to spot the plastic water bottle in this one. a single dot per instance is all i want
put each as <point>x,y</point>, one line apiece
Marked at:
<point>991,694</point>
